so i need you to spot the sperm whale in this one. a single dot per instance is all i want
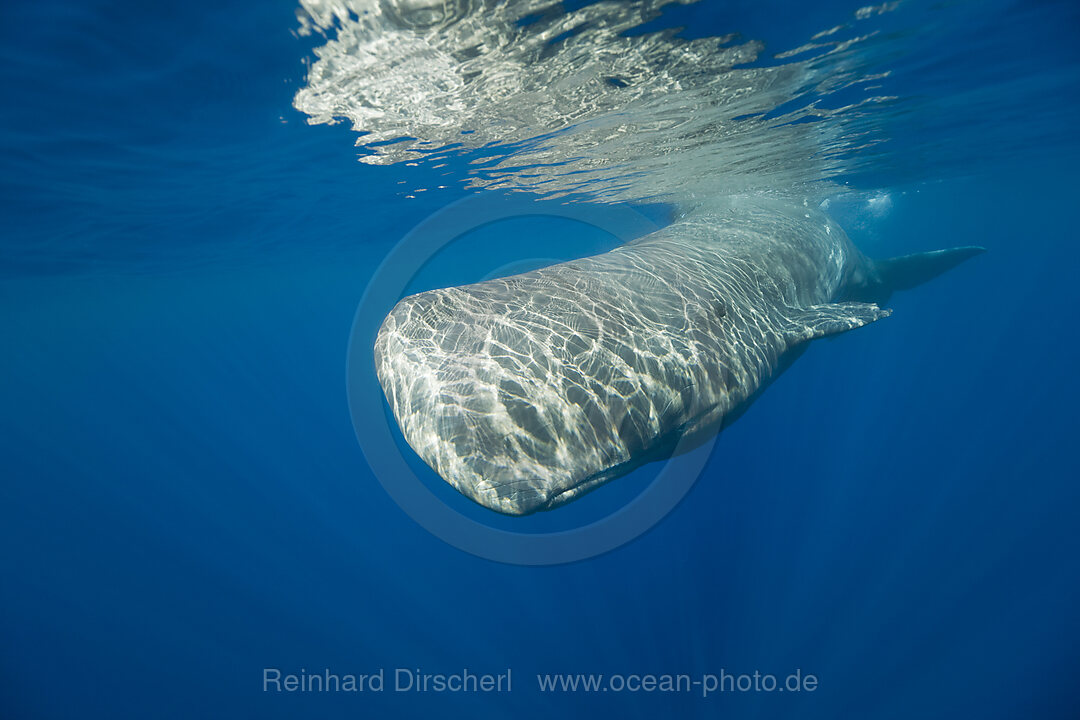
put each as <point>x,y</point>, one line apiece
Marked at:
<point>526,392</point>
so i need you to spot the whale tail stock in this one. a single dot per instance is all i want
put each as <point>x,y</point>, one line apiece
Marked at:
<point>884,277</point>
<point>871,285</point>
<point>908,271</point>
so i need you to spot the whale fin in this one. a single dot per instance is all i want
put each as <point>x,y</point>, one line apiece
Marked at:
<point>877,280</point>
<point>908,271</point>
<point>818,321</point>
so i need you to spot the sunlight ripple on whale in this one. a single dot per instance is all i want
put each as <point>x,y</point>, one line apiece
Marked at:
<point>528,391</point>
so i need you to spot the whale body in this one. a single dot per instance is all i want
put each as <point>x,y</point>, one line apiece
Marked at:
<point>528,391</point>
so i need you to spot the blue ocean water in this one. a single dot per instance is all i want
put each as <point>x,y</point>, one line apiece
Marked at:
<point>184,503</point>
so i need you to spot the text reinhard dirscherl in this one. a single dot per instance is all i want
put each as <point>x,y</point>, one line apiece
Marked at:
<point>413,680</point>
<point>401,680</point>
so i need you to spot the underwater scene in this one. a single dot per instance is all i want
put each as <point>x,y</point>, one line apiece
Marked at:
<point>533,359</point>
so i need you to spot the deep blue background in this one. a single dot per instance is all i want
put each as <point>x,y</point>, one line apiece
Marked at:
<point>183,501</point>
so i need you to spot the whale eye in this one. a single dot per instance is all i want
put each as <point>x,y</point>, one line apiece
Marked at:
<point>720,310</point>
